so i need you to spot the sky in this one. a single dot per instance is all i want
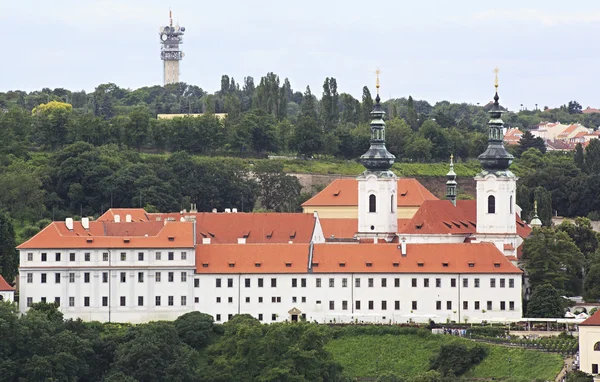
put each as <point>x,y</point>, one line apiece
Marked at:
<point>547,51</point>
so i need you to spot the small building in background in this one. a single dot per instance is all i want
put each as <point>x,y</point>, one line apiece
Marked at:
<point>7,292</point>
<point>589,344</point>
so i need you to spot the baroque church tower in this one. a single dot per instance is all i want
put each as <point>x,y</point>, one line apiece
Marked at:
<point>377,186</point>
<point>496,184</point>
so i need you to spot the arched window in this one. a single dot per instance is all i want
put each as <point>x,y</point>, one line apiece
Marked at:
<point>392,203</point>
<point>511,204</point>
<point>372,203</point>
<point>597,346</point>
<point>491,204</point>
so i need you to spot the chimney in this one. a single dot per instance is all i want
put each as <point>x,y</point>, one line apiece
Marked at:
<point>69,224</point>
<point>214,210</point>
<point>182,219</point>
<point>228,210</point>
<point>85,222</point>
<point>117,218</point>
<point>206,240</point>
<point>242,240</point>
<point>128,218</point>
<point>403,245</point>
<point>234,210</point>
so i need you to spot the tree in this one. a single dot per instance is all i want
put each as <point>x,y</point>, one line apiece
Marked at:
<point>411,114</point>
<point>51,120</point>
<point>308,108</point>
<point>591,285</point>
<point>278,191</point>
<point>579,160</point>
<point>367,105</point>
<point>592,157</point>
<point>579,376</point>
<point>195,329</point>
<point>136,131</point>
<point>582,234</point>
<point>455,359</point>
<point>528,141</point>
<point>574,107</point>
<point>544,204</point>
<point>308,137</point>
<point>9,258</point>
<point>545,302</point>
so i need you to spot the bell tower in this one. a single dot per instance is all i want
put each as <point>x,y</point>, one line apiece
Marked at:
<point>377,186</point>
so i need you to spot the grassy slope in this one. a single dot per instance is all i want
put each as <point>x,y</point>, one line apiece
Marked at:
<point>409,355</point>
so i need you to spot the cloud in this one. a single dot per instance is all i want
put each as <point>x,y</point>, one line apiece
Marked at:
<point>545,17</point>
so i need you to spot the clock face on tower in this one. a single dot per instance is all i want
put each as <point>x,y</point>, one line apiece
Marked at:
<point>163,37</point>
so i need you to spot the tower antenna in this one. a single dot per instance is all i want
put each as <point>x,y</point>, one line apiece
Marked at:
<point>170,39</point>
<point>170,17</point>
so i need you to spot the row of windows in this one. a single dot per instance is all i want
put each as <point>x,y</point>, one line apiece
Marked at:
<point>371,282</point>
<point>87,256</point>
<point>123,277</point>
<point>260,317</point>
<point>122,301</point>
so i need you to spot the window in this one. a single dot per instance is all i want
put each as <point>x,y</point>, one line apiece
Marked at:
<point>511,305</point>
<point>273,317</point>
<point>318,282</point>
<point>476,283</point>
<point>104,300</point>
<point>57,300</point>
<point>157,256</point>
<point>71,301</point>
<point>30,256</point>
<point>123,277</point>
<point>372,203</point>
<point>438,305</point>
<point>246,283</point>
<point>71,256</point>
<point>123,300</point>
<point>414,305</point>
<point>184,278</point>
<point>157,277</point>
<point>502,305</point>
<point>43,299</point>
<point>170,300</point>
<point>247,299</point>
<point>396,283</point>
<point>43,278</point>
<point>511,204</point>
<point>57,256</point>
<point>87,256</point>
<point>105,256</point>
<point>438,283</point>
<point>465,283</point>
<point>104,277</point>
<point>140,277</point>
<point>414,283</point>
<point>465,305</point>
<point>383,305</point>
<point>370,283</point>
<point>183,300</point>
<point>230,300</point>
<point>183,255</point>
<point>331,282</point>
<point>426,283</point>
<point>86,277</point>
<point>397,305</point>
<point>218,300</point>
<point>492,283</point>
<point>218,283</point>
<point>344,283</point>
<point>448,305</point>
<point>171,255</point>
<point>123,256</point>
<point>218,317</point>
<point>157,300</point>
<point>453,283</point>
<point>594,368</point>
<point>491,204</point>
<point>141,256</point>
<point>140,300</point>
<point>383,282</point>
<point>476,305</point>
<point>357,305</point>
<point>294,283</point>
<point>30,301</point>
<point>273,283</point>
<point>196,299</point>
<point>511,283</point>
<point>303,299</point>
<point>344,305</point>
<point>260,299</point>
<point>260,283</point>
<point>489,305</point>
<point>260,317</point>
<point>392,203</point>
<point>357,282</point>
<point>29,278</point>
<point>171,277</point>
<point>44,256</point>
<point>331,305</point>
<point>57,278</point>
<point>597,346</point>
<point>502,283</point>
<point>370,305</point>
<point>196,283</point>
<point>303,283</point>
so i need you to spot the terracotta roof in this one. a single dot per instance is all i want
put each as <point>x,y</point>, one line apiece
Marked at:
<point>594,320</point>
<point>440,217</point>
<point>513,136</point>
<point>4,286</point>
<point>252,258</point>
<point>346,228</point>
<point>581,134</point>
<point>227,228</point>
<point>420,258</point>
<point>344,192</point>
<point>110,235</point>
<point>137,214</point>
<point>509,247</point>
<point>589,110</point>
<point>568,131</point>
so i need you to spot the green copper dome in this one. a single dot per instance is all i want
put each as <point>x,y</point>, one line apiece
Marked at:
<point>495,157</point>
<point>377,158</point>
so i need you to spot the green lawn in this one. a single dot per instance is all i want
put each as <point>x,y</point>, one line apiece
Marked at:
<point>408,355</point>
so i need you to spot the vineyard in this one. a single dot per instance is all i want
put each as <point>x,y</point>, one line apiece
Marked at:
<point>565,345</point>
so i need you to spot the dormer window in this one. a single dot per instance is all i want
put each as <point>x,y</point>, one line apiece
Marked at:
<point>231,265</point>
<point>125,240</point>
<point>288,265</point>
<point>445,265</point>
<point>396,265</point>
<point>314,265</point>
<point>497,265</point>
<point>257,265</point>
<point>171,238</point>
<point>369,264</point>
<point>420,264</point>
<point>342,265</point>
<point>204,265</point>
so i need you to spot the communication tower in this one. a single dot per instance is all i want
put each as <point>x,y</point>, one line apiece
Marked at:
<point>170,38</point>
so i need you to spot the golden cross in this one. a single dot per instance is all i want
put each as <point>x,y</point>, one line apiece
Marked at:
<point>377,73</point>
<point>496,71</point>
<point>451,158</point>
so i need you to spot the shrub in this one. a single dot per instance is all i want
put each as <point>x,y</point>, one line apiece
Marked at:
<point>456,359</point>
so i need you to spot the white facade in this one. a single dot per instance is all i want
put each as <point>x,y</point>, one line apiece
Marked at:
<point>116,285</point>
<point>589,349</point>
<point>361,297</point>
<point>377,204</point>
<point>496,204</point>
<point>7,295</point>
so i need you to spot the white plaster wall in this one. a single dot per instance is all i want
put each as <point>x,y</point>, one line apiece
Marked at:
<point>384,220</point>
<point>433,239</point>
<point>7,295</point>
<point>502,188</point>
<point>588,336</point>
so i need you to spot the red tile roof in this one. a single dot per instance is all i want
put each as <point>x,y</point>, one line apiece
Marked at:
<point>589,110</point>
<point>113,235</point>
<point>567,131</point>
<point>137,214</point>
<point>346,228</point>
<point>594,320</point>
<point>227,228</point>
<point>513,136</point>
<point>4,286</point>
<point>344,192</point>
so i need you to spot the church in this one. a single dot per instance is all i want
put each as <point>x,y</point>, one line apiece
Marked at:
<point>377,249</point>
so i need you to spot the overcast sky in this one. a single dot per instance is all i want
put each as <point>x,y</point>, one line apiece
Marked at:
<point>547,51</point>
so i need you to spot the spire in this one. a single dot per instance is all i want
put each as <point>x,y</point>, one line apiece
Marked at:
<point>496,158</point>
<point>535,222</point>
<point>451,183</point>
<point>377,158</point>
